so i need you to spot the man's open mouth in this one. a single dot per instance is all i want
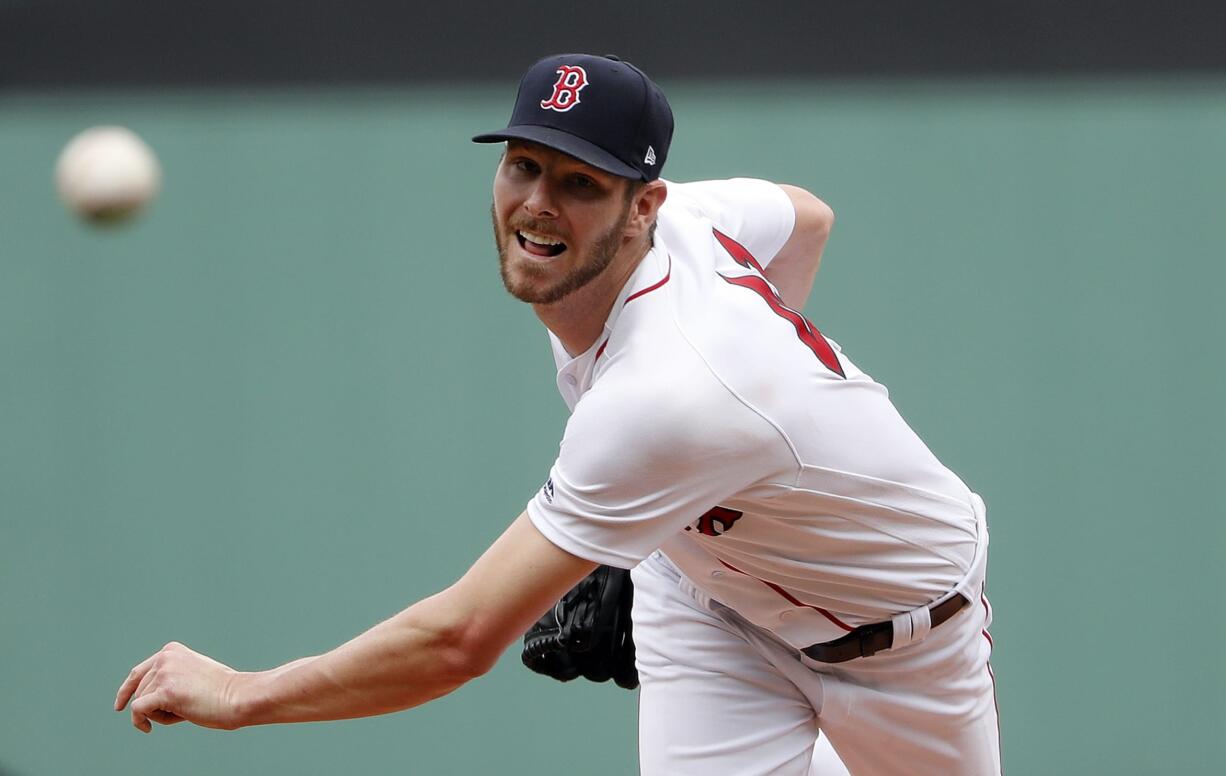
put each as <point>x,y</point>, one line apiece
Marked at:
<point>539,244</point>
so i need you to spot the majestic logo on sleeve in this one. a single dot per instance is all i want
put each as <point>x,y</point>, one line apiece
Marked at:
<point>571,80</point>
<point>717,521</point>
<point>547,490</point>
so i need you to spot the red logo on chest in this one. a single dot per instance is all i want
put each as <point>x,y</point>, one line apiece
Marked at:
<point>717,521</point>
<point>571,80</point>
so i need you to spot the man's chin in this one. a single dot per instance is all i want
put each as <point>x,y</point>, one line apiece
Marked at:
<point>535,294</point>
<point>531,290</point>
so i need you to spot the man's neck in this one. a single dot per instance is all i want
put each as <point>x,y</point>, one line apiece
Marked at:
<point>578,319</point>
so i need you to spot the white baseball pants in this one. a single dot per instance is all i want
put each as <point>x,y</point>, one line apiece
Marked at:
<point>721,697</point>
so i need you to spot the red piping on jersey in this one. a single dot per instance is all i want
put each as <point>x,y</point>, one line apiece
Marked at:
<point>649,289</point>
<point>636,295</point>
<point>791,599</point>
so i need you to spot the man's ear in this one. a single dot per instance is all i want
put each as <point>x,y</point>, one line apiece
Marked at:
<point>646,205</point>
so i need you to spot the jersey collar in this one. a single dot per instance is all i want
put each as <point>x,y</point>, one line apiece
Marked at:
<point>575,372</point>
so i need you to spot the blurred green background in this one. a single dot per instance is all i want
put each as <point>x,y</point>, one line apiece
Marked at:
<point>293,398</point>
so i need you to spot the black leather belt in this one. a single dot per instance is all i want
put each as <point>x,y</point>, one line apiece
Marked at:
<point>870,639</point>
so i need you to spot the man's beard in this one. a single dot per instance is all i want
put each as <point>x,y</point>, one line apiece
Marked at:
<point>603,250</point>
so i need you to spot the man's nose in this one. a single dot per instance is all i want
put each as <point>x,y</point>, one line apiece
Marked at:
<point>540,201</point>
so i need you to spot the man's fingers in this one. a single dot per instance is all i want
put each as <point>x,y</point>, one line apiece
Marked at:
<point>163,717</point>
<point>146,708</point>
<point>141,723</point>
<point>130,684</point>
<point>144,690</point>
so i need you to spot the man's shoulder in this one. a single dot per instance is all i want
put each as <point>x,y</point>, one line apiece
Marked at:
<point>690,327</point>
<point>674,407</point>
<point>657,365</point>
<point>754,213</point>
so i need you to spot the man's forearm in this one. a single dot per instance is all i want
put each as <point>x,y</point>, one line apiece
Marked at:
<point>409,659</point>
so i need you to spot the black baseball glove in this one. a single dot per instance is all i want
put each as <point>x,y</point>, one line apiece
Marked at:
<point>587,633</point>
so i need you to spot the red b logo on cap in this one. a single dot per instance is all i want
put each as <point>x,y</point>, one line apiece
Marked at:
<point>566,91</point>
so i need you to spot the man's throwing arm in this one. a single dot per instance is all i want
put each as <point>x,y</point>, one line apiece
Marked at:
<point>424,652</point>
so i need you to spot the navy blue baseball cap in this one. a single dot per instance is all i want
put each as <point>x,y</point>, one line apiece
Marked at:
<point>600,110</point>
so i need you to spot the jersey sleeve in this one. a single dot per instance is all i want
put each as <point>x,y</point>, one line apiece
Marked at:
<point>637,464</point>
<point>755,213</point>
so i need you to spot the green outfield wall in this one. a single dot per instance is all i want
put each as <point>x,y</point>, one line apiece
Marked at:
<point>294,398</point>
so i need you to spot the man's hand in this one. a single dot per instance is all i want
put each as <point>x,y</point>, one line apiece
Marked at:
<point>177,684</point>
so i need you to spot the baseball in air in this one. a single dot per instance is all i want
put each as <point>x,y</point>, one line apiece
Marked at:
<point>107,174</point>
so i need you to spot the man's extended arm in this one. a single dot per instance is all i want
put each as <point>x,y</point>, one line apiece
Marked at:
<point>795,265</point>
<point>425,651</point>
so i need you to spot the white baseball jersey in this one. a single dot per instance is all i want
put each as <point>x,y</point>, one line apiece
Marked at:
<point>714,423</point>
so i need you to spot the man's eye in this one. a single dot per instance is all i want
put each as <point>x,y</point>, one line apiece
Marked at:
<point>583,182</point>
<point>526,165</point>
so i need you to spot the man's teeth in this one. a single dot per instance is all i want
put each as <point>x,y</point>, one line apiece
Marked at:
<point>539,239</point>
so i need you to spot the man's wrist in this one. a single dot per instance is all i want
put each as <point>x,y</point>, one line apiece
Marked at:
<point>246,698</point>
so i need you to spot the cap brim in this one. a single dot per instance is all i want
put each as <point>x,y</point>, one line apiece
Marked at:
<point>566,143</point>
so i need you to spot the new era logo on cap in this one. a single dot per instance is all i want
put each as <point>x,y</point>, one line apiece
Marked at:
<point>600,110</point>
